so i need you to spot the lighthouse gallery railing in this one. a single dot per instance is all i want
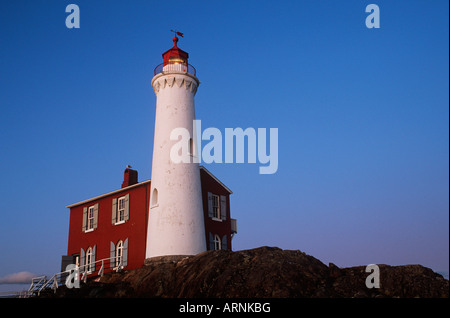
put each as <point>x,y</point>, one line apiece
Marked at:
<point>175,68</point>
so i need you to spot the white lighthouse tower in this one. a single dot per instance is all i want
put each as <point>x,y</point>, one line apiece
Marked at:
<point>175,222</point>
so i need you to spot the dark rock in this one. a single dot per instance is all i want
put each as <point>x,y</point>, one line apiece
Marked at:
<point>260,272</point>
<point>334,270</point>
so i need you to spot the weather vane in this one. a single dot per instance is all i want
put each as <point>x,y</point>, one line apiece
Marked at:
<point>177,33</point>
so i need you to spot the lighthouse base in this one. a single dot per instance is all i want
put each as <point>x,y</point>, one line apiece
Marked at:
<point>165,259</point>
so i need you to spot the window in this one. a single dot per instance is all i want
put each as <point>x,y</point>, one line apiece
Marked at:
<point>121,209</point>
<point>90,218</point>
<point>154,197</point>
<point>216,206</point>
<point>119,254</point>
<point>88,260</point>
<point>217,243</point>
<point>191,146</point>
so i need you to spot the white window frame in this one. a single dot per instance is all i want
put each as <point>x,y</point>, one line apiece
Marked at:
<point>217,243</point>
<point>191,149</point>
<point>90,218</point>
<point>216,207</point>
<point>154,198</point>
<point>119,253</point>
<point>88,260</point>
<point>120,216</point>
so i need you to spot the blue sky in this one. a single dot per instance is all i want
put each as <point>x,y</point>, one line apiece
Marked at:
<point>362,115</point>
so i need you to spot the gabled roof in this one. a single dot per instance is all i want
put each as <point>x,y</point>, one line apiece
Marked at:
<point>215,178</point>
<point>109,193</point>
<point>142,183</point>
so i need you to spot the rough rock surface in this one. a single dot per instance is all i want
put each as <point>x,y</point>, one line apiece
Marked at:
<point>260,272</point>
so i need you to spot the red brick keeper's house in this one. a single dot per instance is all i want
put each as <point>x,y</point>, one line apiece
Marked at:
<point>109,232</point>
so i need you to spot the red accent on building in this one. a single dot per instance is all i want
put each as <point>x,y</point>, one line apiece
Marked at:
<point>106,226</point>
<point>134,229</point>
<point>175,55</point>
<point>213,226</point>
<point>130,177</point>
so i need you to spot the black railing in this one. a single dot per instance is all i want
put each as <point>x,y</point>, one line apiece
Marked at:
<point>175,68</point>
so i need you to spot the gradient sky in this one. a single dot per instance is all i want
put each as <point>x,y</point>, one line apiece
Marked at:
<point>362,115</point>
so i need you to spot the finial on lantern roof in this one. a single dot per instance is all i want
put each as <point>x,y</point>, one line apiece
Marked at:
<point>175,55</point>
<point>175,39</point>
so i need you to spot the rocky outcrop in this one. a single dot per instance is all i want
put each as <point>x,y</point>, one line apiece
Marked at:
<point>261,272</point>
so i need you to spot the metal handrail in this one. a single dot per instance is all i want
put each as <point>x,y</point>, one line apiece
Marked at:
<point>175,68</point>
<point>40,283</point>
<point>14,294</point>
<point>85,269</point>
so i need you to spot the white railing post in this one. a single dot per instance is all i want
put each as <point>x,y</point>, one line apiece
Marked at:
<point>55,283</point>
<point>40,283</point>
<point>100,272</point>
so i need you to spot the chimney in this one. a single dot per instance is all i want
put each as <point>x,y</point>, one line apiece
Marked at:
<point>130,177</point>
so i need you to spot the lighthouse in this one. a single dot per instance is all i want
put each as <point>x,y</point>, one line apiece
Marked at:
<point>175,220</point>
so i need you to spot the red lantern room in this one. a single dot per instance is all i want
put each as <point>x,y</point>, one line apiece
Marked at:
<point>175,60</point>
<point>175,55</point>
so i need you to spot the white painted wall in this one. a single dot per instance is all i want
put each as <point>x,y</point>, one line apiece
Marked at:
<point>175,224</point>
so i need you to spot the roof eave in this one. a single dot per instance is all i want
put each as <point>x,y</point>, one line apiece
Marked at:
<point>107,194</point>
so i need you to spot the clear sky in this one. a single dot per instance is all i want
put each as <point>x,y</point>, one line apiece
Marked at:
<point>362,117</point>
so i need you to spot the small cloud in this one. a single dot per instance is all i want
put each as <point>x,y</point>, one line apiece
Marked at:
<point>17,278</point>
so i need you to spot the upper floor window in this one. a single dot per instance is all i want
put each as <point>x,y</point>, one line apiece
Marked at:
<point>121,209</point>
<point>90,218</point>
<point>191,149</point>
<point>217,207</point>
<point>154,198</point>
